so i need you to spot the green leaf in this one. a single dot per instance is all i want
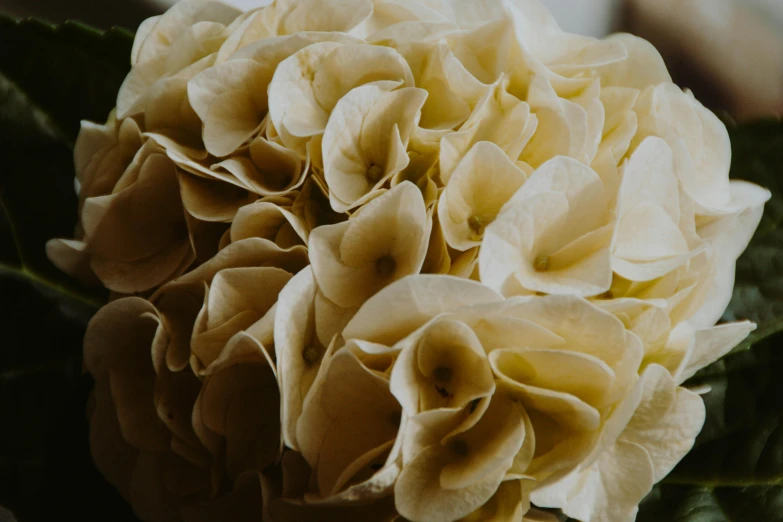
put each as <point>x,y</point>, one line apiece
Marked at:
<point>71,72</point>
<point>673,503</point>
<point>741,443</point>
<point>50,78</point>
<point>758,292</point>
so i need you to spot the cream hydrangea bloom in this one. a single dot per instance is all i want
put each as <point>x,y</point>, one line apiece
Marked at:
<point>169,368</point>
<point>383,242</point>
<point>553,236</point>
<point>475,400</point>
<point>133,232</point>
<point>277,181</point>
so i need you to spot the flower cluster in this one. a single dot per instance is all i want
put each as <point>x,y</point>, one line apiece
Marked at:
<point>376,260</point>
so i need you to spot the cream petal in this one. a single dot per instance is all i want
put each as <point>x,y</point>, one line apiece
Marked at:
<point>489,445</point>
<point>384,242</point>
<point>482,183</point>
<point>117,349</point>
<point>268,221</point>
<point>293,105</point>
<point>643,67</point>
<point>405,32</point>
<point>330,319</point>
<point>321,15</point>
<point>647,233</point>
<point>178,19</point>
<point>508,503</point>
<point>236,76</point>
<point>145,29</point>
<point>135,254</point>
<point>581,186</point>
<point>233,118</point>
<point>649,271</point>
<point>484,51</point>
<point>499,331</point>
<point>196,42</point>
<point>247,252</point>
<point>379,484</point>
<point>270,170</point>
<point>581,375</point>
<point>327,429</point>
<point>235,290</point>
<point>666,422</point>
<point>210,199</point>
<point>710,345</point>
<point>73,258</point>
<point>585,327</point>
<point>402,307</point>
<point>91,140</point>
<point>240,401</point>
<point>444,367</point>
<point>294,334</point>
<point>143,76</point>
<point>604,491</point>
<point>144,274</point>
<point>567,410</point>
<point>419,495</point>
<point>365,140</point>
<point>169,117</point>
<point>308,85</point>
<point>649,177</point>
<point>550,236</point>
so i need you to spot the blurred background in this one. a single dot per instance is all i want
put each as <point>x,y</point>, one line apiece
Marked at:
<point>729,52</point>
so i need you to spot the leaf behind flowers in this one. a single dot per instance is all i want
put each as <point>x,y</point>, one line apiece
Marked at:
<point>50,78</point>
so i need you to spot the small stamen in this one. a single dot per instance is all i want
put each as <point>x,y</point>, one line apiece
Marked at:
<point>477,224</point>
<point>442,374</point>
<point>542,264</point>
<point>374,173</point>
<point>386,266</point>
<point>311,354</point>
<point>443,392</point>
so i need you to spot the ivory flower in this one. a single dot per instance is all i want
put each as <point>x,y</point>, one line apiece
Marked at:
<point>168,370</point>
<point>439,261</point>
<point>174,45</point>
<point>133,231</point>
<point>660,423</point>
<point>482,183</point>
<point>365,141</point>
<point>385,241</point>
<point>308,85</point>
<point>491,389</point>
<point>141,434</point>
<point>656,232</point>
<point>553,236</point>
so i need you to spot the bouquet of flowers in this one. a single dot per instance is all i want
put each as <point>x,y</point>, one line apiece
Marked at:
<point>376,260</point>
